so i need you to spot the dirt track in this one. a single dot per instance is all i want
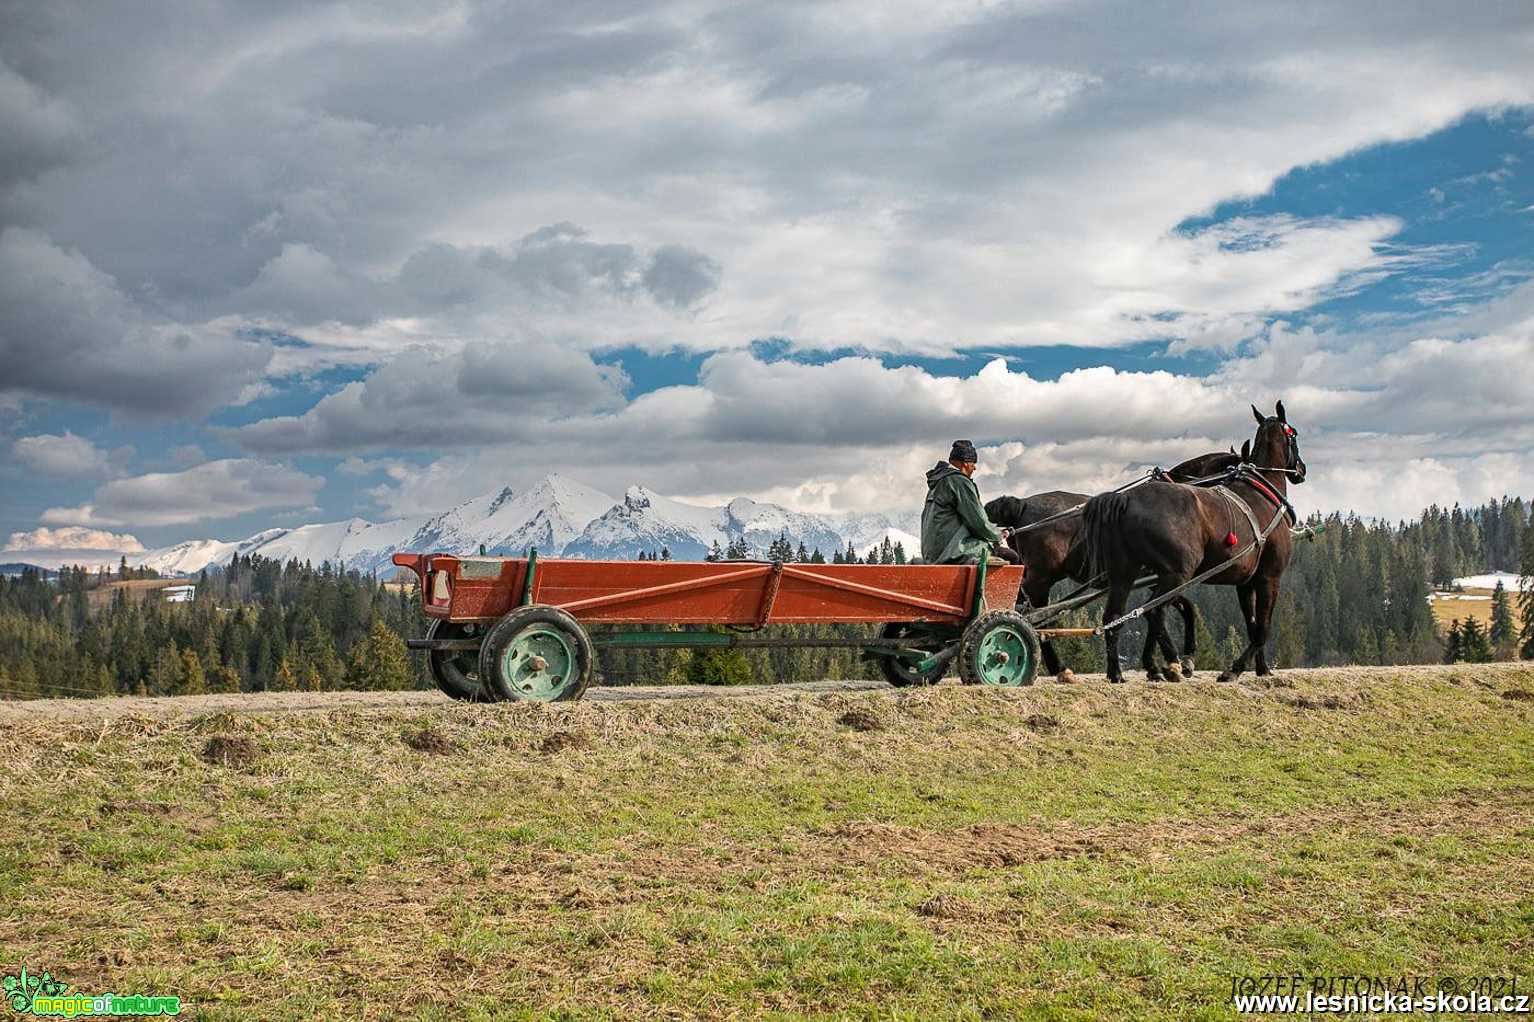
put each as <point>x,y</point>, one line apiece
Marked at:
<point>325,702</point>
<point>1485,675</point>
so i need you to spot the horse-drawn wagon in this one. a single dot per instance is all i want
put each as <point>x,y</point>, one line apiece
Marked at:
<point>517,628</point>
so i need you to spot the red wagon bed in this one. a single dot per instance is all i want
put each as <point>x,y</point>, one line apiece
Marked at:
<point>515,627</point>
<point>710,593</point>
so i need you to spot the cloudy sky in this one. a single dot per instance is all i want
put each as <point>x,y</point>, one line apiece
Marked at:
<point>263,264</point>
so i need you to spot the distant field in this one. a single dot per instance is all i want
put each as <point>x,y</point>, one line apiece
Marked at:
<point>137,589</point>
<point>1472,603</point>
<point>1063,852</point>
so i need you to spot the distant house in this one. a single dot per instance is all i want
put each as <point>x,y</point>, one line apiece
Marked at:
<point>179,594</point>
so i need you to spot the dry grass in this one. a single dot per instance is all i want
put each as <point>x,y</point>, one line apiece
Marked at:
<point>1062,852</point>
<point>1472,603</point>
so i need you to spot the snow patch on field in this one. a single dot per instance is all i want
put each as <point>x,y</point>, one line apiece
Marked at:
<point>1490,581</point>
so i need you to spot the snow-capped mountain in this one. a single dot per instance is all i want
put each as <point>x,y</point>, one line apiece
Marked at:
<point>558,516</point>
<point>355,543</point>
<point>549,516</point>
<point>646,521</point>
<point>192,556</point>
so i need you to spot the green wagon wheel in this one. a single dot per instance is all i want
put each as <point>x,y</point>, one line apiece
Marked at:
<point>999,648</point>
<point>537,654</point>
<point>539,663</point>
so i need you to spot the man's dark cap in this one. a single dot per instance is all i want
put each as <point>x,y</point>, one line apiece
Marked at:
<point>963,450</point>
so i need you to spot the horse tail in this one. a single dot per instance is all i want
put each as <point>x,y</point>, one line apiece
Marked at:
<point>1102,535</point>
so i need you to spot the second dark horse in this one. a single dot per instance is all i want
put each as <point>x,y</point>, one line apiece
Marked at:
<point>1053,552</point>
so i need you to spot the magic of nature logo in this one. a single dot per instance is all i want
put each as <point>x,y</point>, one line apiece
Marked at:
<point>42,995</point>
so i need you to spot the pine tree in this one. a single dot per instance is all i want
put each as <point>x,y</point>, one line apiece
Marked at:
<point>714,553</point>
<point>166,676</point>
<point>225,679</point>
<point>380,662</point>
<point>22,683</point>
<point>1504,633</point>
<point>1454,647</point>
<point>282,678</point>
<point>194,682</point>
<point>1477,648</point>
<point>665,553</point>
<point>718,665</point>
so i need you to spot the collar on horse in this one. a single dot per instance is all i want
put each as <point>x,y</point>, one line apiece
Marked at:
<point>1252,476</point>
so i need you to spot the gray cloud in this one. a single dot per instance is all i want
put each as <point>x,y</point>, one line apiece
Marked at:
<point>555,269</point>
<point>913,178</point>
<point>67,331</point>
<point>483,394</point>
<point>66,455</point>
<point>213,490</point>
<point>40,130</point>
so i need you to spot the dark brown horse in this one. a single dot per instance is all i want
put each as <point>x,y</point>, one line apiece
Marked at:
<point>1176,532</point>
<point>1053,552</point>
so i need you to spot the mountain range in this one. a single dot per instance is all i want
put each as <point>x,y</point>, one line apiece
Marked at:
<point>560,517</point>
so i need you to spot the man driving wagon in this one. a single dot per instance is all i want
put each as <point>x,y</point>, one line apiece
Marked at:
<point>954,525</point>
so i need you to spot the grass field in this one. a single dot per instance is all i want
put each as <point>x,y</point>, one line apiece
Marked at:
<point>1465,604</point>
<point>1065,852</point>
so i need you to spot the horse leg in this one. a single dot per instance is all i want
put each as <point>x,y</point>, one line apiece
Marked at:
<point>1174,670</point>
<point>1037,587</point>
<point>1267,601</point>
<point>1247,594</point>
<point>1189,634</point>
<point>1157,633</point>
<point>1148,650</point>
<point>1118,598</point>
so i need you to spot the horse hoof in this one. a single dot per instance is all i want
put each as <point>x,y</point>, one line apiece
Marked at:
<point>1154,676</point>
<point>1225,678</point>
<point>1116,680</point>
<point>1066,676</point>
<point>1173,672</point>
<point>1188,670</point>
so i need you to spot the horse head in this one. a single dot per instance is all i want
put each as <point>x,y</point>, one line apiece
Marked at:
<point>1277,444</point>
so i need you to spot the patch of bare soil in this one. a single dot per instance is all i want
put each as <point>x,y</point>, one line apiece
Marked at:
<point>944,906</point>
<point>1324,701</point>
<point>558,741</point>
<point>427,740</point>
<point>234,751</point>
<point>1519,695</point>
<point>861,718</point>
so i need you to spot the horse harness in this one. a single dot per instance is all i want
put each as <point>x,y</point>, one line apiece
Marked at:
<point>1282,509</point>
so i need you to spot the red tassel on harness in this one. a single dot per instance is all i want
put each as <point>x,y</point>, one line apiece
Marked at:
<point>1230,539</point>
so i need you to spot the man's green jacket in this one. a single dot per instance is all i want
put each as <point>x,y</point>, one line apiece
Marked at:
<point>954,527</point>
